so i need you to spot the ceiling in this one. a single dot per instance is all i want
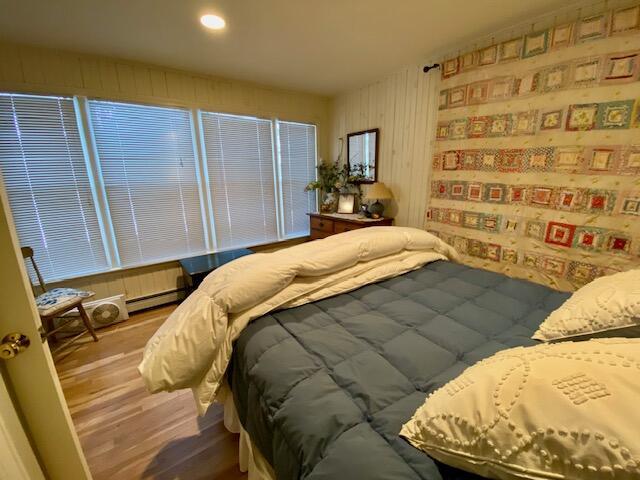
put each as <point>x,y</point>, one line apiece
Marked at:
<point>319,46</point>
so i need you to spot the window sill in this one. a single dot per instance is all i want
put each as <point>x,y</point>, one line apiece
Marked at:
<point>263,247</point>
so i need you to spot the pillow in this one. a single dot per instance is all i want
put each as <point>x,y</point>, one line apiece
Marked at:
<point>609,304</point>
<point>565,410</point>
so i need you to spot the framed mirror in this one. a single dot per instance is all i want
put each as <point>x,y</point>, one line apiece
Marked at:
<point>362,154</point>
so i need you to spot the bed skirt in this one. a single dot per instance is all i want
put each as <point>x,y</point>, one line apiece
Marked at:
<point>250,459</point>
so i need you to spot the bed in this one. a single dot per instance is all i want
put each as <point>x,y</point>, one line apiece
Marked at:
<point>324,388</point>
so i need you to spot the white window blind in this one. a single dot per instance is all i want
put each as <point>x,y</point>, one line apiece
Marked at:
<point>146,156</point>
<point>45,177</point>
<point>297,168</point>
<point>240,163</point>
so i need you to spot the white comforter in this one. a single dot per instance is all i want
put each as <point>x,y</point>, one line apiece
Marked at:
<point>193,347</point>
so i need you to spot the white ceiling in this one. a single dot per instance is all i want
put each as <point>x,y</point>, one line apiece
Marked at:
<point>321,46</point>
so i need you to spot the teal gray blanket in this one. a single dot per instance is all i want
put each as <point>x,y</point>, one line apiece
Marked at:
<point>323,389</point>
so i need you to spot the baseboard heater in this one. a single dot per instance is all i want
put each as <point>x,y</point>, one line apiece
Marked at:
<point>155,299</point>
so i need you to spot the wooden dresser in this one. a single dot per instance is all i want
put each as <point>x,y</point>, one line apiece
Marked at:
<point>323,225</point>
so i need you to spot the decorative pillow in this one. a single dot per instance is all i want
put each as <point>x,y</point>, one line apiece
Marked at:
<point>565,410</point>
<point>607,304</point>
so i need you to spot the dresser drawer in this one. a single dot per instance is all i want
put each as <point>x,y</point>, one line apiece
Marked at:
<point>340,227</point>
<point>317,234</point>
<point>322,224</point>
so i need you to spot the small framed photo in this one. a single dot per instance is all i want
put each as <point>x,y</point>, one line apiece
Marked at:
<point>346,203</point>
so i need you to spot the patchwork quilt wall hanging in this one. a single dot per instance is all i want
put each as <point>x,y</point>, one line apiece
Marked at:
<point>536,171</point>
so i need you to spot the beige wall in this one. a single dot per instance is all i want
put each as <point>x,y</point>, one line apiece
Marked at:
<point>29,69</point>
<point>402,106</point>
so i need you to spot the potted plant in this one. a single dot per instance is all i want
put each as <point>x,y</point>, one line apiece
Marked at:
<point>334,179</point>
<point>326,184</point>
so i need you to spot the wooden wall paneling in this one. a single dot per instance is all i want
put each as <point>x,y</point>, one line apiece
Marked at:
<point>187,83</point>
<point>407,146</point>
<point>153,281</point>
<point>54,71</point>
<point>402,106</point>
<point>108,287</point>
<point>142,80</point>
<point>170,276</point>
<point>132,283</point>
<point>423,143</point>
<point>413,146</point>
<point>201,86</point>
<point>165,277</point>
<point>174,87</point>
<point>158,83</point>
<point>215,93</point>
<point>424,146</point>
<point>126,79</point>
<point>399,127</point>
<point>231,97</point>
<point>113,284</point>
<point>416,111</point>
<point>72,71</point>
<point>143,283</point>
<point>248,96</point>
<point>363,117</point>
<point>224,93</point>
<point>91,73</point>
<point>31,66</point>
<point>392,104</point>
<point>108,76</point>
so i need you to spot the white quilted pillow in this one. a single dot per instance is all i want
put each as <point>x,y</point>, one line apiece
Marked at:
<point>607,304</point>
<point>564,411</point>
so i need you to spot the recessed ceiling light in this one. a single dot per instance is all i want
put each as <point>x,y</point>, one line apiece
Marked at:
<point>214,22</point>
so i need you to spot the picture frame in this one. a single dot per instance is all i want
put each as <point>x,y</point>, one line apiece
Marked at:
<point>346,203</point>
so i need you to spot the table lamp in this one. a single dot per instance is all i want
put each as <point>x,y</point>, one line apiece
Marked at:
<point>377,191</point>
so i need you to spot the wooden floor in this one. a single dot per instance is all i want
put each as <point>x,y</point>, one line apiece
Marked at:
<point>127,433</point>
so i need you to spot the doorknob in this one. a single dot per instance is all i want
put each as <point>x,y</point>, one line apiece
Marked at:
<point>13,344</point>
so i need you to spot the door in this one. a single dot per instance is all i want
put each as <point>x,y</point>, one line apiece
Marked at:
<point>16,456</point>
<point>30,376</point>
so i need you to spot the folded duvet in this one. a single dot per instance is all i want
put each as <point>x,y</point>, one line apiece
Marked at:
<point>193,347</point>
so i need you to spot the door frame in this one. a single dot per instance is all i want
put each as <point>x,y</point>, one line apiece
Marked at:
<point>16,455</point>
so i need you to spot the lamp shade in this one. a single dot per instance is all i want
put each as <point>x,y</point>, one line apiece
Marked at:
<point>378,191</point>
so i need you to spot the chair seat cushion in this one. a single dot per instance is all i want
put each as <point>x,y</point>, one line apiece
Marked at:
<point>56,300</point>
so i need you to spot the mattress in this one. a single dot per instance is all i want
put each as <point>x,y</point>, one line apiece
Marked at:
<point>323,389</point>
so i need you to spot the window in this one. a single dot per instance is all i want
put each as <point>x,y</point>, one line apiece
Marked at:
<point>95,185</point>
<point>146,156</point>
<point>240,162</point>
<point>49,191</point>
<point>297,169</point>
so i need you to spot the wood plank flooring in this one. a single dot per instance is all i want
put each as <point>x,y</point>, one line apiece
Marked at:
<point>125,432</point>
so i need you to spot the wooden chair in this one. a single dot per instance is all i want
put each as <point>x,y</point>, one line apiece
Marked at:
<point>58,301</point>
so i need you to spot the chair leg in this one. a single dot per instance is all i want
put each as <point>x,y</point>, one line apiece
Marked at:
<point>48,326</point>
<point>87,322</point>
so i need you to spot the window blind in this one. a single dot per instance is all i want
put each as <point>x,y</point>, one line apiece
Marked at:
<point>297,168</point>
<point>240,163</point>
<point>46,180</point>
<point>148,165</point>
